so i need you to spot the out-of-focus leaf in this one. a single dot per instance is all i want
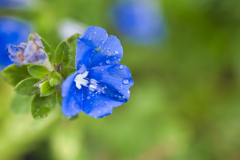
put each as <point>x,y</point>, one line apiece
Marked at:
<point>62,53</point>
<point>38,71</point>
<point>26,86</point>
<point>13,74</point>
<point>41,106</point>
<point>21,104</point>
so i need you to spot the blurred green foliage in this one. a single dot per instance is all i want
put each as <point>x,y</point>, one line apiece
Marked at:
<point>184,105</point>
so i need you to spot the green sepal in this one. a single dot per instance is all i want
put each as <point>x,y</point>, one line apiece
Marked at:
<point>41,106</point>
<point>21,104</point>
<point>26,87</point>
<point>59,98</point>
<point>55,78</point>
<point>13,74</point>
<point>48,50</point>
<point>72,42</point>
<point>62,53</point>
<point>67,70</point>
<point>46,89</point>
<point>38,71</point>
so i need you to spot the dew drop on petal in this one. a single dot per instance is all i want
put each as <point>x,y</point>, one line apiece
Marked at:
<point>102,69</point>
<point>88,97</point>
<point>123,97</point>
<point>125,81</point>
<point>116,52</point>
<point>107,61</point>
<point>128,92</point>
<point>121,66</point>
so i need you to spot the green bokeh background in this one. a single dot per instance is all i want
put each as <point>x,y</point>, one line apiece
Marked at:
<point>184,105</point>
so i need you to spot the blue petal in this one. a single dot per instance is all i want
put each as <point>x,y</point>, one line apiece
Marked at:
<point>69,85</point>
<point>116,79</point>
<point>15,53</point>
<point>112,90</point>
<point>92,38</point>
<point>70,107</point>
<point>12,31</point>
<point>108,52</point>
<point>97,105</point>
<point>72,97</point>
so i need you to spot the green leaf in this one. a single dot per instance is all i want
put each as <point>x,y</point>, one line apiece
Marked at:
<point>72,42</point>
<point>41,106</point>
<point>62,53</point>
<point>13,74</point>
<point>21,104</point>
<point>67,70</point>
<point>48,50</point>
<point>46,89</point>
<point>55,78</point>
<point>59,98</point>
<point>38,71</point>
<point>26,86</point>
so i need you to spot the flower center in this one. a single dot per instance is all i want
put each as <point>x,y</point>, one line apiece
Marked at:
<point>81,80</point>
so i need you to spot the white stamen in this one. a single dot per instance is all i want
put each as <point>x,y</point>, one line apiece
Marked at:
<point>80,80</point>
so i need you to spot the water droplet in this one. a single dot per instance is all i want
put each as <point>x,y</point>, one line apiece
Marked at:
<point>92,95</point>
<point>123,97</point>
<point>107,61</point>
<point>128,91</point>
<point>102,41</point>
<point>102,69</point>
<point>119,60</point>
<point>120,97</point>
<point>88,97</point>
<point>121,66</point>
<point>114,57</point>
<point>125,81</point>
<point>90,92</point>
<point>95,32</point>
<point>116,52</point>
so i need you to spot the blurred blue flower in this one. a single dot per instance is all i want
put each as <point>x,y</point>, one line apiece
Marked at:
<point>11,31</point>
<point>31,52</point>
<point>138,20</point>
<point>12,3</point>
<point>100,82</point>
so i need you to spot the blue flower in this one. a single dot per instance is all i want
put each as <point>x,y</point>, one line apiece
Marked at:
<point>100,83</point>
<point>12,3</point>
<point>11,31</point>
<point>31,52</point>
<point>138,20</point>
